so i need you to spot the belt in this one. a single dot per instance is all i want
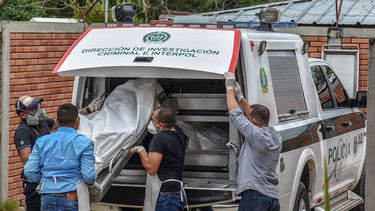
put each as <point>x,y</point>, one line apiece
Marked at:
<point>68,195</point>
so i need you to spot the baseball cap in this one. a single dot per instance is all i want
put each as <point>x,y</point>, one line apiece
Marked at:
<point>27,103</point>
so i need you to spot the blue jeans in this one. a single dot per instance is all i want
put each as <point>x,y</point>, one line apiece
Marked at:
<point>54,202</point>
<point>252,200</point>
<point>169,201</point>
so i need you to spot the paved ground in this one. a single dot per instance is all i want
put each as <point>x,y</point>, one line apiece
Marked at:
<point>102,208</point>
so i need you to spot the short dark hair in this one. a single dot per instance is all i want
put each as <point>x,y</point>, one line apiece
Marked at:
<point>261,113</point>
<point>67,114</point>
<point>165,115</point>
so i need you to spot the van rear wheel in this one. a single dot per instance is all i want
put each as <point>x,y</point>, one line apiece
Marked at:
<point>302,199</point>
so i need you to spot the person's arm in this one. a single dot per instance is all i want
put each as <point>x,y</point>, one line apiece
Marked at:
<point>231,100</point>
<point>88,164</point>
<point>150,161</point>
<point>245,105</point>
<point>22,140</point>
<point>24,154</point>
<point>235,113</point>
<point>32,167</point>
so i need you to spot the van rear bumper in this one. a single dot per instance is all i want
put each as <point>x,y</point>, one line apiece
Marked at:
<point>133,196</point>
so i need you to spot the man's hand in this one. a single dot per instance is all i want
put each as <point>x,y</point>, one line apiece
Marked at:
<point>137,149</point>
<point>230,80</point>
<point>238,92</point>
<point>94,189</point>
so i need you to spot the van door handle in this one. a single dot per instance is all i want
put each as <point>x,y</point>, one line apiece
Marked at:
<point>330,127</point>
<point>346,124</point>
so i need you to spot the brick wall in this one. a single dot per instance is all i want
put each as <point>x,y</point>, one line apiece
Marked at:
<point>32,59</point>
<point>315,49</point>
<point>315,45</point>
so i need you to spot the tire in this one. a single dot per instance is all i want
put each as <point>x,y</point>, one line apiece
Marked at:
<point>360,191</point>
<point>302,202</point>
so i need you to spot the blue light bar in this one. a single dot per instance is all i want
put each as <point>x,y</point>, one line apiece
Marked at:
<point>252,24</point>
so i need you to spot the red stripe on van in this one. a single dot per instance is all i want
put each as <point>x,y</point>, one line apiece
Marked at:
<point>56,69</point>
<point>236,51</point>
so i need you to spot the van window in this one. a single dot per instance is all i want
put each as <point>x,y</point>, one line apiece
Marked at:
<point>286,82</point>
<point>322,88</point>
<point>337,88</point>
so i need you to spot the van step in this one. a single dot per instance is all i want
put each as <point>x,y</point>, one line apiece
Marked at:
<point>343,202</point>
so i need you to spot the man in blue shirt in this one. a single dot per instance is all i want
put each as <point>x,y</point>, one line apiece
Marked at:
<point>60,161</point>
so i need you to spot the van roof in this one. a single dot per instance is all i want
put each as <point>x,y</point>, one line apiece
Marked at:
<point>157,52</point>
<point>265,35</point>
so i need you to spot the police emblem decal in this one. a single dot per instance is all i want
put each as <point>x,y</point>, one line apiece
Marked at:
<point>263,80</point>
<point>156,37</point>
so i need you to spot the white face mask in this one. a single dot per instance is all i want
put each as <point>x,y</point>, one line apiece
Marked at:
<point>151,128</point>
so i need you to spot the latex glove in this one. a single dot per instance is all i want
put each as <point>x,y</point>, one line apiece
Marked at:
<point>230,80</point>
<point>94,189</point>
<point>96,104</point>
<point>238,92</point>
<point>137,149</point>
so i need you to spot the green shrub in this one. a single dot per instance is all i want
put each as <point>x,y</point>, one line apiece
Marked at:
<point>9,205</point>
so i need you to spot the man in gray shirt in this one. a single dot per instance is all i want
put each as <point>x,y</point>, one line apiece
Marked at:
<point>257,181</point>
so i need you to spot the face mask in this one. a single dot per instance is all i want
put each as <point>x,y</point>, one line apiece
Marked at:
<point>40,114</point>
<point>32,120</point>
<point>151,128</point>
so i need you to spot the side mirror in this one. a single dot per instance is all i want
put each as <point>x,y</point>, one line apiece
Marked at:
<point>360,101</point>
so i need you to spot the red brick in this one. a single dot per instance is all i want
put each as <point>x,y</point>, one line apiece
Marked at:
<point>312,49</point>
<point>363,51</point>
<point>16,36</point>
<point>59,36</point>
<point>310,38</point>
<point>360,40</point>
<point>346,40</point>
<point>30,36</point>
<point>323,39</point>
<point>364,46</point>
<point>44,36</point>
<point>16,185</point>
<point>15,159</point>
<point>363,62</point>
<point>319,44</point>
<point>315,55</point>
<point>362,56</point>
<point>13,192</point>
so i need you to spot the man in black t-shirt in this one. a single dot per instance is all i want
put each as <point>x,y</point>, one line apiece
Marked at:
<point>165,161</point>
<point>34,124</point>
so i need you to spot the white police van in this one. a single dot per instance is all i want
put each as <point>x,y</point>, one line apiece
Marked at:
<point>308,103</point>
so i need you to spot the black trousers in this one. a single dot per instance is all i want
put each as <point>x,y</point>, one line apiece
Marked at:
<point>32,197</point>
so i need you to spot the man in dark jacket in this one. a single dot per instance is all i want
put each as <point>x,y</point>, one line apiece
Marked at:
<point>34,124</point>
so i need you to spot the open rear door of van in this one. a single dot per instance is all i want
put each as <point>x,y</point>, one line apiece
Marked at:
<point>150,52</point>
